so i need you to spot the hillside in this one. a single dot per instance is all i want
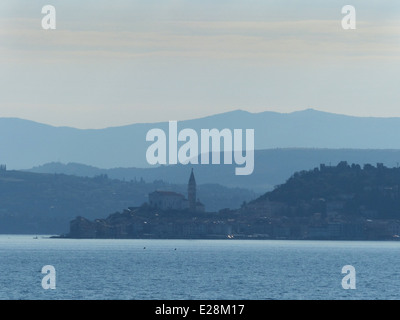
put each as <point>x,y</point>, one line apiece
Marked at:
<point>34,144</point>
<point>347,190</point>
<point>46,203</point>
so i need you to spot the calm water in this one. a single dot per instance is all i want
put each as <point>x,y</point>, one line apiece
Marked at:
<point>197,269</point>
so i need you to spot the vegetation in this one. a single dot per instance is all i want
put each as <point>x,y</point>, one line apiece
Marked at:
<point>363,191</point>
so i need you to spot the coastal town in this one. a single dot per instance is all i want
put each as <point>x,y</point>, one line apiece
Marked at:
<point>338,215</point>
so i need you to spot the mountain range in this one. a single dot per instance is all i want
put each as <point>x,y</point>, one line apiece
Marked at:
<point>25,144</point>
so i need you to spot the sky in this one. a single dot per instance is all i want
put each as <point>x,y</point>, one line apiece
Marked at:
<point>112,63</point>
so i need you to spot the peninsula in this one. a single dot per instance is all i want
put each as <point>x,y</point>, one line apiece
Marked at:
<point>343,202</point>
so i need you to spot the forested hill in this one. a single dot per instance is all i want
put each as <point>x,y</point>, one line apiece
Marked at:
<point>355,190</point>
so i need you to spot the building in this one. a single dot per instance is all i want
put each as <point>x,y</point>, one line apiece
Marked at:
<point>192,192</point>
<point>200,207</point>
<point>168,200</point>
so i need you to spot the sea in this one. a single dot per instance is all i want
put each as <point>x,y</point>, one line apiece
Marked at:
<point>196,269</point>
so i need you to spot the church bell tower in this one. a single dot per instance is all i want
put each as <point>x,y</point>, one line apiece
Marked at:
<point>192,192</point>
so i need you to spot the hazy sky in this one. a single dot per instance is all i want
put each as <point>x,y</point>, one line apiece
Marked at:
<point>118,62</point>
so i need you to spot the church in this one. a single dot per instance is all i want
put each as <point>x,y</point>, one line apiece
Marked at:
<point>168,200</point>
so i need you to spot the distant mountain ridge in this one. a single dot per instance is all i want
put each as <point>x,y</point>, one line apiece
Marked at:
<point>25,144</point>
<point>272,167</point>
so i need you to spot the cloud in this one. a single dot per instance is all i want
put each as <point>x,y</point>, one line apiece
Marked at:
<point>278,40</point>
